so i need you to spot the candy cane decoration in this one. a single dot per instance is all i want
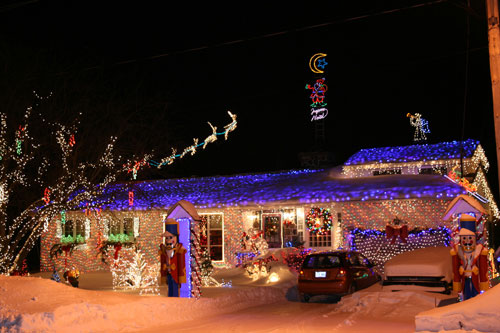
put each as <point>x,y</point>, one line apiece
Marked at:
<point>195,264</point>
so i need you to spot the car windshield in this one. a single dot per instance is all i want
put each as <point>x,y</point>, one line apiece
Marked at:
<point>322,261</point>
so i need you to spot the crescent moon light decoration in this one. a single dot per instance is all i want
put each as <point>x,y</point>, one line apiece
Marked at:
<point>317,64</point>
<point>317,61</point>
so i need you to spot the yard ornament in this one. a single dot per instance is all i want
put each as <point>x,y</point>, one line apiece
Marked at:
<point>173,266</point>
<point>396,230</point>
<point>469,261</point>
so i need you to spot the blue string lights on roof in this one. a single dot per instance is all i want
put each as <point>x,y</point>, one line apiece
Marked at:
<point>296,186</point>
<point>413,153</point>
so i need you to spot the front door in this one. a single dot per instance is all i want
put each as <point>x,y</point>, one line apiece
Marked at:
<point>272,229</point>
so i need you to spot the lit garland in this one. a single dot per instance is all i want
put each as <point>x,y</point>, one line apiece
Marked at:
<point>377,248</point>
<point>319,220</point>
<point>483,188</point>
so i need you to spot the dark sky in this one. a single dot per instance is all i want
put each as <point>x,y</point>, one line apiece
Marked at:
<point>187,64</point>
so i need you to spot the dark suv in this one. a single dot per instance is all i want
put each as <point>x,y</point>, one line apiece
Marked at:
<point>335,272</point>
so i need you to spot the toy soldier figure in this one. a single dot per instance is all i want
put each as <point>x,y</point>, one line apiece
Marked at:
<point>172,258</point>
<point>469,260</point>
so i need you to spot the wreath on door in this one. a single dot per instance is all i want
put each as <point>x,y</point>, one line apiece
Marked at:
<point>319,220</point>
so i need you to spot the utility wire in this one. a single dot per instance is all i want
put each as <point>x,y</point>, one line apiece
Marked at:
<point>270,35</point>
<point>466,85</point>
<point>14,5</point>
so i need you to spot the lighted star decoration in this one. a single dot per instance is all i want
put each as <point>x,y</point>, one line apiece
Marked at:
<point>322,63</point>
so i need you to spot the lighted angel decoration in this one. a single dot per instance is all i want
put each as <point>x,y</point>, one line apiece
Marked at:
<point>212,137</point>
<point>421,126</point>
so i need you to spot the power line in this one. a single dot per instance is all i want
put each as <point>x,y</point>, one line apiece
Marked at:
<point>270,35</point>
<point>14,5</point>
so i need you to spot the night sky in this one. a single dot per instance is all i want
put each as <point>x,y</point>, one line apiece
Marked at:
<point>171,68</point>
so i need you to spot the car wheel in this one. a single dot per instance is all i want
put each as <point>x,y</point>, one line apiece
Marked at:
<point>304,298</point>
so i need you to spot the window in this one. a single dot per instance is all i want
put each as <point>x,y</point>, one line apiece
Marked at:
<point>387,172</point>
<point>354,259</point>
<point>121,230</point>
<point>364,261</point>
<point>212,235</point>
<point>316,240</point>
<point>433,171</point>
<point>73,231</point>
<point>322,261</point>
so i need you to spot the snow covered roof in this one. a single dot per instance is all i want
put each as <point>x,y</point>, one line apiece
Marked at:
<point>414,153</point>
<point>278,188</point>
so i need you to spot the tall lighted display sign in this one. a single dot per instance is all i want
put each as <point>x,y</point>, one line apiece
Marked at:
<point>318,88</point>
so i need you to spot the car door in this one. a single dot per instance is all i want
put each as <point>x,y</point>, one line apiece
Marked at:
<point>369,273</point>
<point>360,274</point>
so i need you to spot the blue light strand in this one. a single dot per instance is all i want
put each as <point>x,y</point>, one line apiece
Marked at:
<point>299,186</point>
<point>418,152</point>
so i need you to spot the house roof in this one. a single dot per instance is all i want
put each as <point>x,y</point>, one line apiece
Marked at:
<point>414,153</point>
<point>277,188</point>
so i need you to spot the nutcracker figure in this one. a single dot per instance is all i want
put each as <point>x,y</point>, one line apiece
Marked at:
<point>469,260</point>
<point>172,257</point>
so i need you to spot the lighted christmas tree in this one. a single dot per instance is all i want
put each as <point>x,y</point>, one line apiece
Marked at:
<point>135,273</point>
<point>207,270</point>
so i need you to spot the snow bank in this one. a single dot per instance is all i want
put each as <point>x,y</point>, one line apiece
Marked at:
<point>29,304</point>
<point>479,313</point>
<point>387,305</point>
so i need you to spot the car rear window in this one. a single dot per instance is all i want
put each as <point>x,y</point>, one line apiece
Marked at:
<point>322,261</point>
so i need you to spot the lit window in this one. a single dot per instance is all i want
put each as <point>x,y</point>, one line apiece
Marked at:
<point>316,240</point>
<point>121,230</point>
<point>212,235</point>
<point>73,231</point>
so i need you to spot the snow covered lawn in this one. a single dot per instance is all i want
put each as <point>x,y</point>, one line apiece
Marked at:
<point>36,304</point>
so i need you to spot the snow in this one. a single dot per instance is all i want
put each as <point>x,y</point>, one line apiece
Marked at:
<point>479,313</point>
<point>429,261</point>
<point>37,304</point>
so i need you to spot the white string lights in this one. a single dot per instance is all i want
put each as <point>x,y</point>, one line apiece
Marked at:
<point>76,181</point>
<point>134,273</point>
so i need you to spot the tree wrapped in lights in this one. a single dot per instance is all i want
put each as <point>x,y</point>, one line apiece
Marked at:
<point>43,172</point>
<point>45,169</point>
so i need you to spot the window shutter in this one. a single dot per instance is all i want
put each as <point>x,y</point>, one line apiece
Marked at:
<point>136,227</point>
<point>58,229</point>
<point>87,229</point>
<point>105,232</point>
